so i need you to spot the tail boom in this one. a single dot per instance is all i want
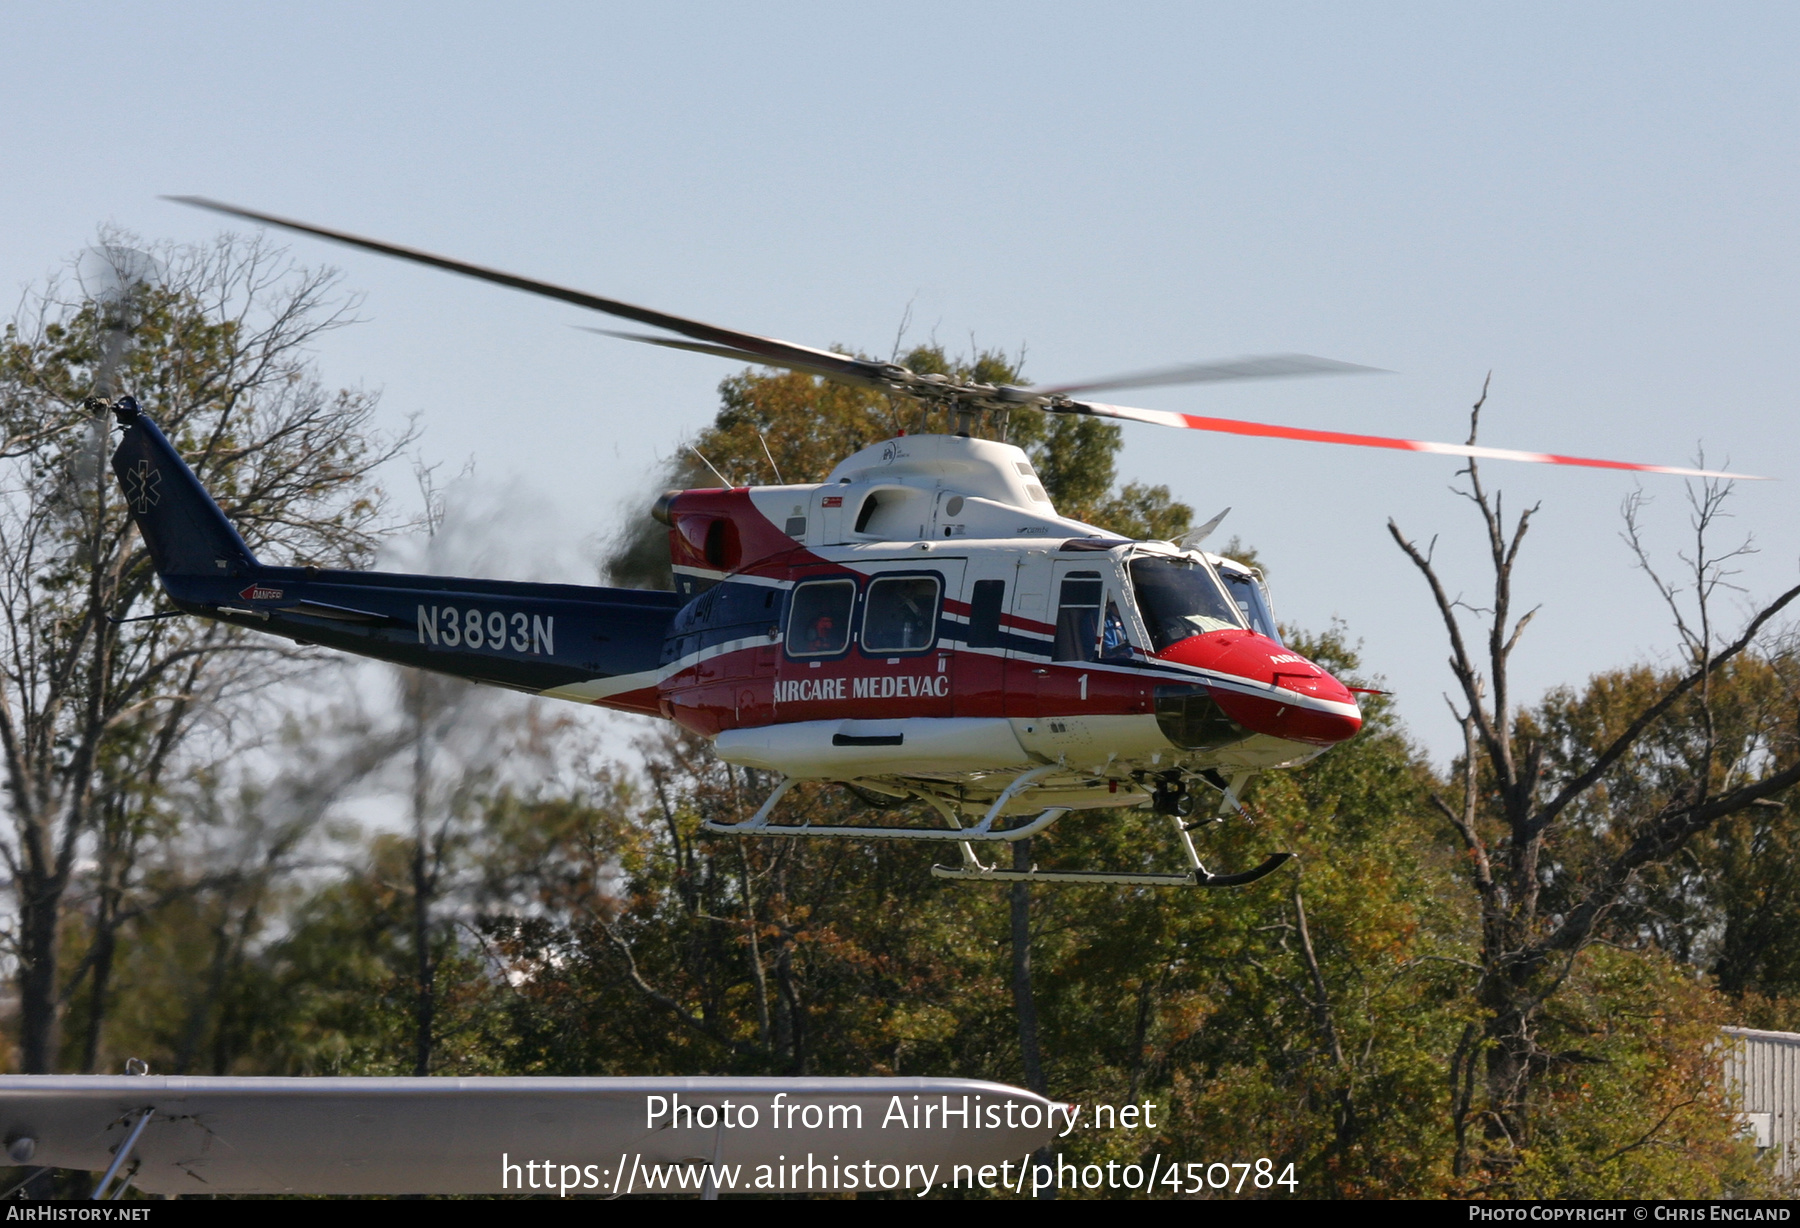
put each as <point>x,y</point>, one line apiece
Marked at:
<point>527,637</point>
<point>564,639</point>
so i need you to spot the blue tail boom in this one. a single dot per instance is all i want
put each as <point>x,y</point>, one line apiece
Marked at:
<point>529,637</point>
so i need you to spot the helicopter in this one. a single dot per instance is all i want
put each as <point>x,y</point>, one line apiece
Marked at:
<point>922,626</point>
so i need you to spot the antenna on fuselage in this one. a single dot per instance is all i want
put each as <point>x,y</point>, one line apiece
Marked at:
<point>779,480</point>
<point>722,478</point>
<point>1193,537</point>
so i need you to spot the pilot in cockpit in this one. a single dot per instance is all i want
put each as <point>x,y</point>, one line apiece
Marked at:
<point>1113,644</point>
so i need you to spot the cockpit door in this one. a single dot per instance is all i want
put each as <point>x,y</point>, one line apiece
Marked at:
<point>1084,607</point>
<point>1030,630</point>
<point>1071,614</point>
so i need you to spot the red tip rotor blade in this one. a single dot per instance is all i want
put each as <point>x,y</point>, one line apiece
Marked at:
<point>1236,426</point>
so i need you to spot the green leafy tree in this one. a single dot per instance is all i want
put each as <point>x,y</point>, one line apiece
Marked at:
<point>1727,903</point>
<point>744,956</point>
<point>1560,821</point>
<point>96,714</point>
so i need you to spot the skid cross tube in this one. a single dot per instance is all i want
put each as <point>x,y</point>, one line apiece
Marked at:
<point>978,832</point>
<point>761,817</point>
<point>970,861</point>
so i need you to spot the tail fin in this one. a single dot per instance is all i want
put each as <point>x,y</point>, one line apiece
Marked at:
<point>187,533</point>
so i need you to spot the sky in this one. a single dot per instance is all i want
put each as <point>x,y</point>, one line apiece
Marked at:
<point>1594,202</point>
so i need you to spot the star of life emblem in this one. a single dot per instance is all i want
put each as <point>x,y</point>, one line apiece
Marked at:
<point>143,487</point>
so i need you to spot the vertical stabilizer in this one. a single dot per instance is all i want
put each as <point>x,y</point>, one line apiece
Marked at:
<point>187,533</point>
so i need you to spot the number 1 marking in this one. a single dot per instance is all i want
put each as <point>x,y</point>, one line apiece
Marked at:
<point>1084,688</point>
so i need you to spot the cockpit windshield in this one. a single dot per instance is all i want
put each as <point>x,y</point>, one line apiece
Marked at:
<point>1252,601</point>
<point>1180,598</point>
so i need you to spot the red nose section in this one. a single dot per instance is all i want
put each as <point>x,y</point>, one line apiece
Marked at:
<point>1322,712</point>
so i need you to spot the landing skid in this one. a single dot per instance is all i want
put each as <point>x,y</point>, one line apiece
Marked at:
<point>1193,878</point>
<point>973,869</point>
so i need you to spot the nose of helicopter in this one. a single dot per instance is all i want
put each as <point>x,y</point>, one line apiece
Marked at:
<point>1290,698</point>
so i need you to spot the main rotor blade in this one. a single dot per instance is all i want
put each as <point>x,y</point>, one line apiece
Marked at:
<point>736,355</point>
<point>1235,426</point>
<point>1255,366</point>
<point>766,349</point>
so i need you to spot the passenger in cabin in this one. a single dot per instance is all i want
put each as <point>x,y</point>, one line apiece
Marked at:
<point>823,637</point>
<point>901,614</point>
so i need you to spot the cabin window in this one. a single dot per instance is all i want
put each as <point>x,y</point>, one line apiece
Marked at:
<point>734,608</point>
<point>901,615</point>
<point>1078,617</point>
<point>1180,598</point>
<point>985,603</point>
<point>819,618</point>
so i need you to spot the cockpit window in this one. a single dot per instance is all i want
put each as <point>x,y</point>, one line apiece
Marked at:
<point>1078,618</point>
<point>1251,600</point>
<point>1180,598</point>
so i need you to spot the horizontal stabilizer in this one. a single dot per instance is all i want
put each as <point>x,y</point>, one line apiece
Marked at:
<point>339,613</point>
